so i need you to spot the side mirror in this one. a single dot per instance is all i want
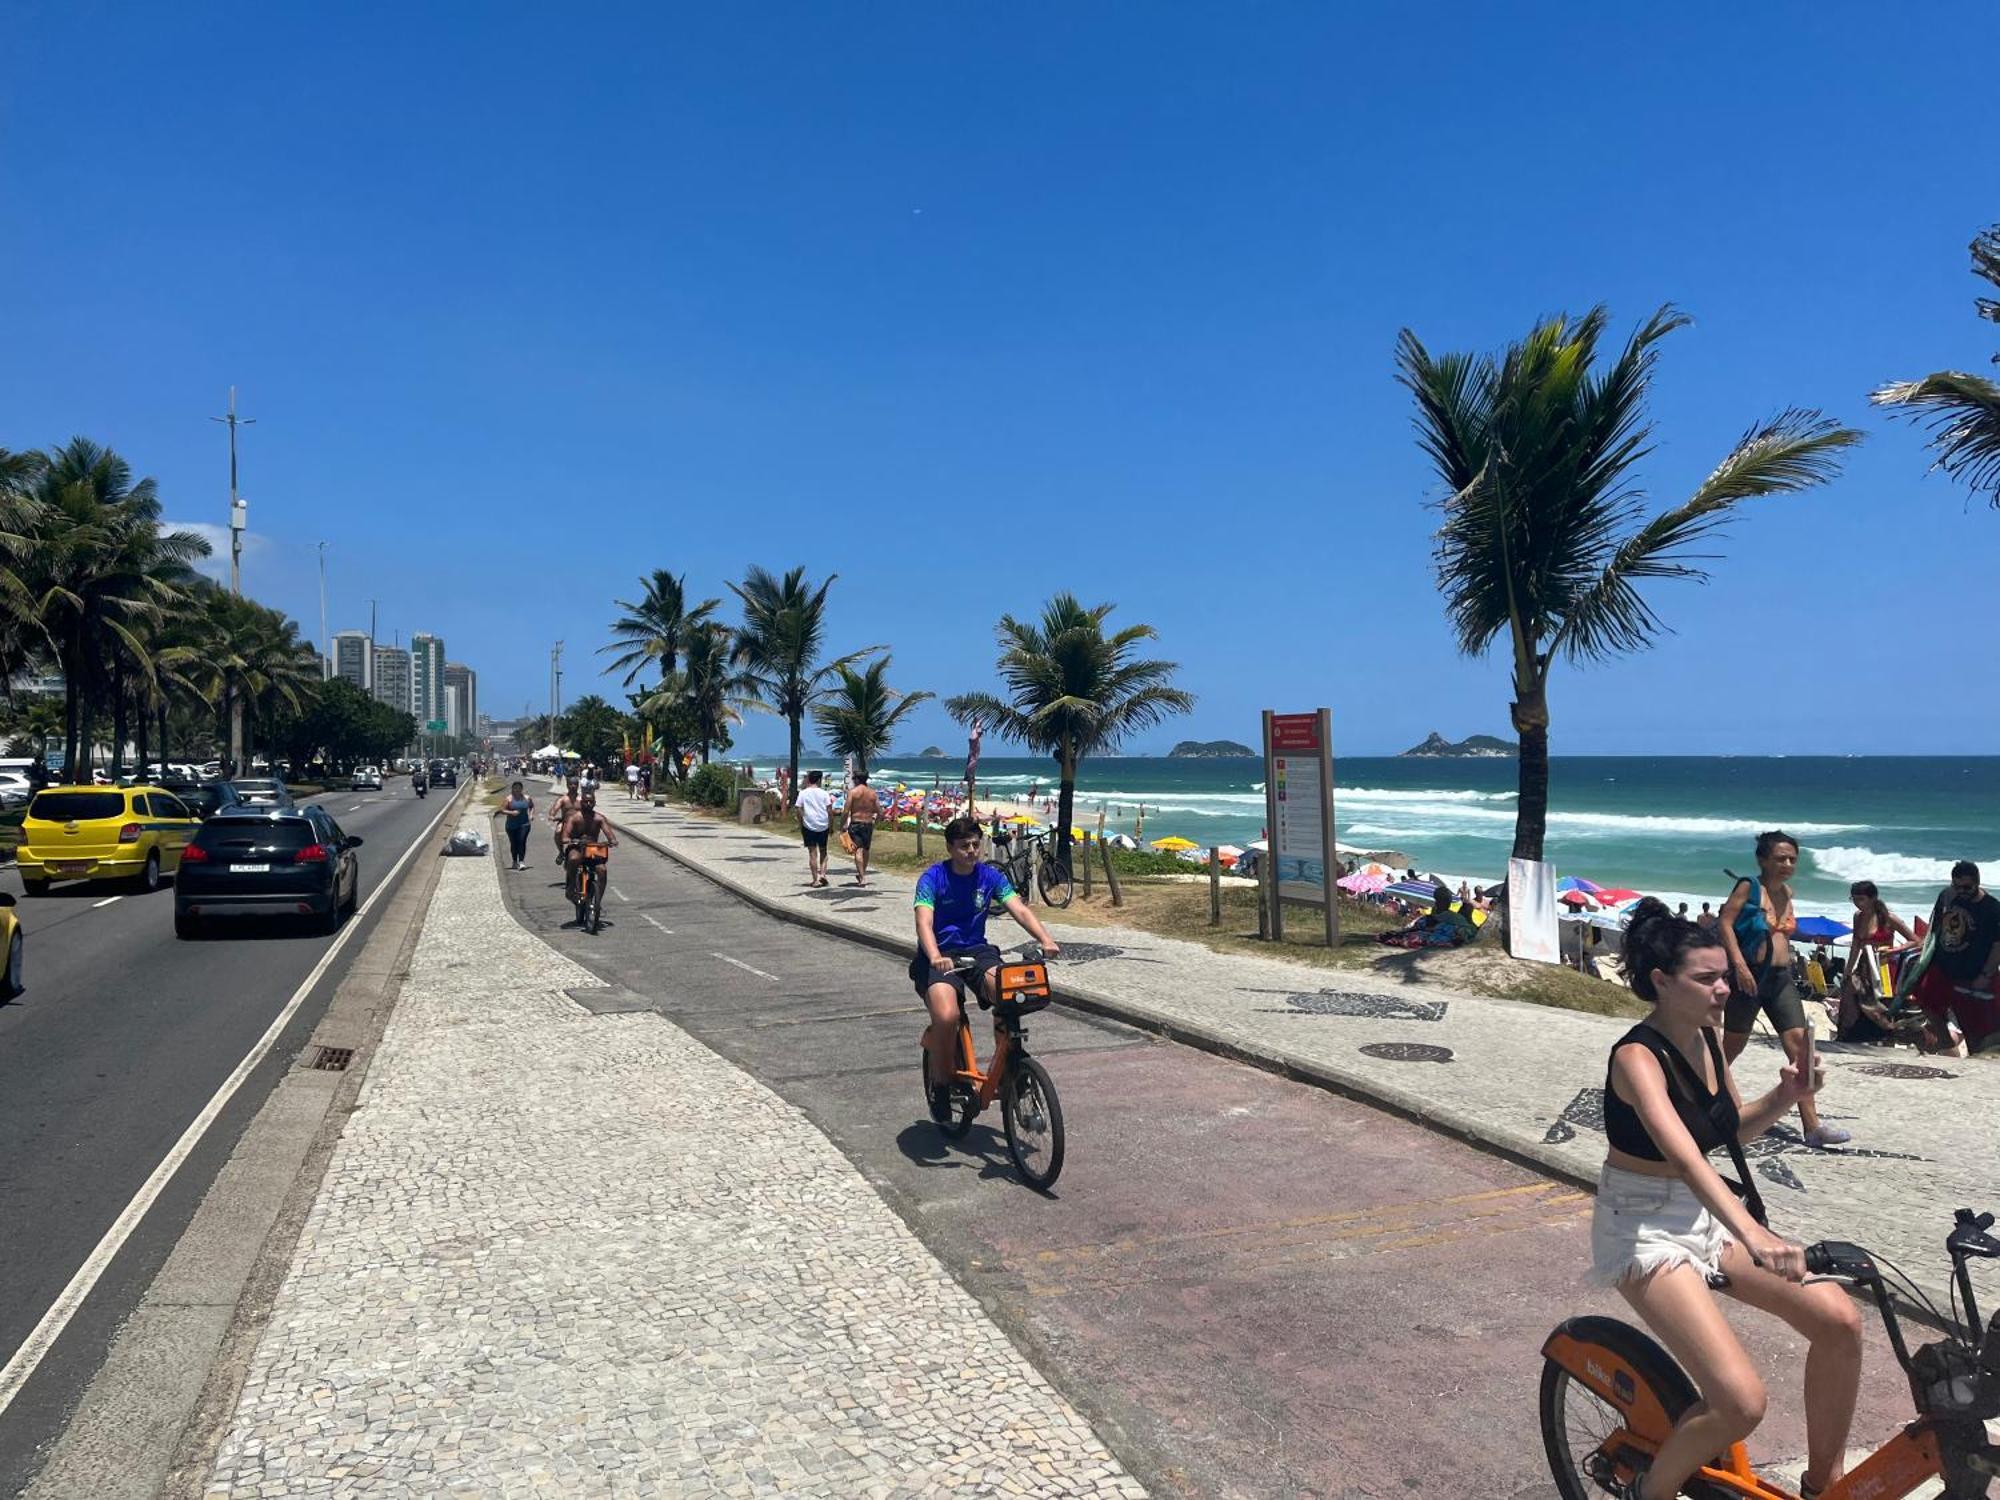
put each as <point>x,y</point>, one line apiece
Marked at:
<point>354,841</point>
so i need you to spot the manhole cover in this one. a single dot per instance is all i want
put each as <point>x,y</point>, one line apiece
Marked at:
<point>1407,1052</point>
<point>1902,1070</point>
<point>333,1059</point>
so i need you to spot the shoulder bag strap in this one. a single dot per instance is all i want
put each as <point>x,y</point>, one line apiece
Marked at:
<point>1745,1188</point>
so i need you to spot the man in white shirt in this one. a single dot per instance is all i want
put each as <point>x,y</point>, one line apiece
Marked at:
<point>815,810</point>
<point>632,781</point>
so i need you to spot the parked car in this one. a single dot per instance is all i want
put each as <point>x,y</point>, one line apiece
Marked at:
<point>263,791</point>
<point>291,861</point>
<point>103,833</point>
<point>11,981</point>
<point>366,779</point>
<point>15,789</point>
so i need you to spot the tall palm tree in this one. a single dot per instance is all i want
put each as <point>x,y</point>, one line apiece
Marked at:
<point>654,629</point>
<point>1545,533</point>
<point>709,692</point>
<point>254,656</point>
<point>1073,691</point>
<point>784,631</point>
<point>98,571</point>
<point>22,642</point>
<point>1961,410</point>
<point>859,716</point>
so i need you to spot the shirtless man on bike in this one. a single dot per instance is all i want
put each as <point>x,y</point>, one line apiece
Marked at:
<point>953,897</point>
<point>566,804</point>
<point>586,825</point>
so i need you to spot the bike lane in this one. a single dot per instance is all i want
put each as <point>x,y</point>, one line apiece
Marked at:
<point>1251,1286</point>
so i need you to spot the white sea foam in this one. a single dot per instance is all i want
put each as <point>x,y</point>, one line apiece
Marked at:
<point>1851,862</point>
<point>1485,822</point>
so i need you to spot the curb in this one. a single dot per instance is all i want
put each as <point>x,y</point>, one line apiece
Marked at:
<point>1407,1104</point>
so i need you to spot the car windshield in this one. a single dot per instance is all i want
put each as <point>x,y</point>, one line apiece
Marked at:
<point>76,807</point>
<point>259,784</point>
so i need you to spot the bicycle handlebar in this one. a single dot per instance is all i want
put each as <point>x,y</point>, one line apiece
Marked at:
<point>964,963</point>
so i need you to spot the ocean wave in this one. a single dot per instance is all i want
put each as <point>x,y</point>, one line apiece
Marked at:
<point>1480,822</point>
<point>1417,794</point>
<point>1852,862</point>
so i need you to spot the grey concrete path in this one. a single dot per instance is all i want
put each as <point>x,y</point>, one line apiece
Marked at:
<point>1522,1078</point>
<point>562,1248</point>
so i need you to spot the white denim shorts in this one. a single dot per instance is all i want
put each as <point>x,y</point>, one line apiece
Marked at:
<point>1642,1223</point>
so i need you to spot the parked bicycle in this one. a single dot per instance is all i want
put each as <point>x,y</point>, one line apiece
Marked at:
<point>1030,1112</point>
<point>1611,1395</point>
<point>1033,863</point>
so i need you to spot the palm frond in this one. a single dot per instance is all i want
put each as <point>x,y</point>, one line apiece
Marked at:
<point>1962,413</point>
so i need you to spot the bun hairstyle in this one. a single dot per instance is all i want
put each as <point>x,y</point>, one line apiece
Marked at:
<point>1657,939</point>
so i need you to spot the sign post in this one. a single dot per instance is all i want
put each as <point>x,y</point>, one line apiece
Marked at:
<point>1298,807</point>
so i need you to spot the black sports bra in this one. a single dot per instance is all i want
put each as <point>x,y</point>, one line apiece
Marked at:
<point>1712,1119</point>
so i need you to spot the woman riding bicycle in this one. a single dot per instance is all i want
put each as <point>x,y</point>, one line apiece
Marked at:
<point>1666,1222</point>
<point>953,897</point>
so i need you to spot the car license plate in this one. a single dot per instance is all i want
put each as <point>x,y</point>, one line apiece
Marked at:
<point>251,869</point>
<point>71,867</point>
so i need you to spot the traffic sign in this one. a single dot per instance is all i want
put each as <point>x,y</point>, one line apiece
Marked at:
<point>435,726</point>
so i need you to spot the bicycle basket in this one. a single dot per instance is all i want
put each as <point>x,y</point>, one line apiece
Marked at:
<point>597,851</point>
<point>1025,986</point>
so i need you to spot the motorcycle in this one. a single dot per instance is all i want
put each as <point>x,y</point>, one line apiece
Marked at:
<point>422,787</point>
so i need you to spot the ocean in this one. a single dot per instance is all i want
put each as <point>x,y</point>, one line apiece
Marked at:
<point>1666,825</point>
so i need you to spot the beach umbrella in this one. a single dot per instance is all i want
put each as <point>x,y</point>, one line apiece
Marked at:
<point>1413,890</point>
<point>906,822</point>
<point>1022,818</point>
<point>1578,883</point>
<point>1822,929</point>
<point>1361,885</point>
<point>1174,844</point>
<point>1575,898</point>
<point>1616,896</point>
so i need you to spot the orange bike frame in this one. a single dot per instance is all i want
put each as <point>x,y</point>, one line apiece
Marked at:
<point>1016,982</point>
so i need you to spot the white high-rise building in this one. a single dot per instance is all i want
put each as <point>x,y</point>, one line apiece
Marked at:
<point>461,698</point>
<point>427,679</point>
<point>392,678</point>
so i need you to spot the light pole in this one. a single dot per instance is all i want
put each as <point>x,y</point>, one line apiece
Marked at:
<point>238,512</point>
<point>325,642</point>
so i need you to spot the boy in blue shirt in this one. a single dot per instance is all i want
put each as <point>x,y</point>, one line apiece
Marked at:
<point>953,897</point>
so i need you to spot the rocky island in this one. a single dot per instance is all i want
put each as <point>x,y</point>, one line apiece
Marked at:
<point>931,752</point>
<point>1209,750</point>
<point>1473,747</point>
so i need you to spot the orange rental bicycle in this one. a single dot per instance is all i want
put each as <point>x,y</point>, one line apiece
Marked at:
<point>1029,1108</point>
<point>587,884</point>
<point>1611,1395</point>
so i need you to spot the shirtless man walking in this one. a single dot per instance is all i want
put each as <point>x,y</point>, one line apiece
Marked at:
<point>863,808</point>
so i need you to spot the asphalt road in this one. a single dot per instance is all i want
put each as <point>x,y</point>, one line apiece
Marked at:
<point>1253,1287</point>
<point>123,1035</point>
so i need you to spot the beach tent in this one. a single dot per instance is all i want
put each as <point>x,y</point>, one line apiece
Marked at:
<point>546,751</point>
<point>1822,929</point>
<point>1122,841</point>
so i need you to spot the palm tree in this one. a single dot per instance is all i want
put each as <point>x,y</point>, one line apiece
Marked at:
<point>784,630</point>
<point>708,693</point>
<point>593,728</point>
<point>1961,410</point>
<point>1545,535</point>
<point>99,570</point>
<point>859,716</point>
<point>21,638</point>
<point>655,629</point>
<point>39,719</point>
<point>1073,690</point>
<point>254,656</point>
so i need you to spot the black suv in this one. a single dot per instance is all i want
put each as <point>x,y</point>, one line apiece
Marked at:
<point>252,861</point>
<point>444,773</point>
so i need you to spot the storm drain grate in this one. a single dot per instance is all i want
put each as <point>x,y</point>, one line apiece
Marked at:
<point>333,1059</point>
<point>1902,1070</point>
<point>1408,1052</point>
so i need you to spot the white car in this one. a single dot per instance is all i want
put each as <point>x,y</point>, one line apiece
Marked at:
<point>366,779</point>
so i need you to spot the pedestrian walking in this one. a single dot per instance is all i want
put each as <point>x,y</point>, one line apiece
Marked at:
<point>519,809</point>
<point>1756,927</point>
<point>646,782</point>
<point>863,808</point>
<point>1964,955</point>
<point>815,810</point>
<point>632,782</point>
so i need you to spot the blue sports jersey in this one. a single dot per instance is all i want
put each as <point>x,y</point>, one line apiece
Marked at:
<point>959,903</point>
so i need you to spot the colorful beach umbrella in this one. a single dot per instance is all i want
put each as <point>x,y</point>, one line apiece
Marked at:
<point>1822,929</point>
<point>1575,898</point>
<point>1414,890</point>
<point>1358,884</point>
<point>1616,896</point>
<point>1174,843</point>
<point>1578,883</point>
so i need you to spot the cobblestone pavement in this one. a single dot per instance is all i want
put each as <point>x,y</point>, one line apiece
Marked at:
<point>578,1254</point>
<point>1523,1077</point>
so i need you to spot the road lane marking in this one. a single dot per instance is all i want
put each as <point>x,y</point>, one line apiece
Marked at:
<point>649,917</point>
<point>105,902</point>
<point>42,1337</point>
<point>746,968</point>
<point>621,895</point>
<point>357,807</point>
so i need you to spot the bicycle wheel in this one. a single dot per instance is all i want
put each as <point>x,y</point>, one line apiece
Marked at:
<point>963,1105</point>
<point>1578,1424</point>
<point>1054,880</point>
<point>580,893</point>
<point>596,904</point>
<point>1033,1117</point>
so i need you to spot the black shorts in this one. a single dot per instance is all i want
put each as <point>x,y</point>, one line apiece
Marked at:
<point>923,976</point>
<point>863,834</point>
<point>1777,996</point>
<point>815,838</point>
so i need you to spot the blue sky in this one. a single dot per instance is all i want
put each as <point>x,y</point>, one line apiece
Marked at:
<point>968,304</point>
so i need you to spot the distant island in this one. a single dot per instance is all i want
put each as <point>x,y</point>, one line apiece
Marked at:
<point>1473,747</point>
<point>1209,750</point>
<point>931,752</point>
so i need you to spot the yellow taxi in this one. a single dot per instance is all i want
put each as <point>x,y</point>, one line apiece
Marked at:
<point>11,982</point>
<point>133,833</point>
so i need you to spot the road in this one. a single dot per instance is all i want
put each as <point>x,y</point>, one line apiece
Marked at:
<point>1253,1288</point>
<point>123,1035</point>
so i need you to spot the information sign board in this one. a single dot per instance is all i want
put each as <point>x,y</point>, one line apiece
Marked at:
<point>434,726</point>
<point>1298,803</point>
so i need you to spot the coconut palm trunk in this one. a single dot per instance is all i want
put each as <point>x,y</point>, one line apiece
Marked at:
<point>1531,724</point>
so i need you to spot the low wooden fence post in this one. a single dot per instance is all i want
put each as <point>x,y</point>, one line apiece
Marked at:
<point>1111,877</point>
<point>1266,893</point>
<point>1214,886</point>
